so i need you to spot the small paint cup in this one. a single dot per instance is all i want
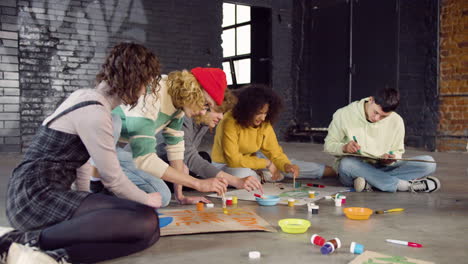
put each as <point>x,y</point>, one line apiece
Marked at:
<point>315,209</point>
<point>356,248</point>
<point>310,206</point>
<point>317,240</point>
<point>291,202</point>
<point>229,200</point>
<point>234,200</point>
<point>343,199</point>
<point>330,246</point>
<point>254,255</point>
<point>200,206</point>
<point>209,205</point>
<point>311,194</point>
<point>337,202</point>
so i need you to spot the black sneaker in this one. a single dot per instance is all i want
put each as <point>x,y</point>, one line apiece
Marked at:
<point>361,185</point>
<point>5,243</point>
<point>427,184</point>
<point>98,187</point>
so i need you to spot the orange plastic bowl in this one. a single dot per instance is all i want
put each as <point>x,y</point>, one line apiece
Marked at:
<point>358,213</point>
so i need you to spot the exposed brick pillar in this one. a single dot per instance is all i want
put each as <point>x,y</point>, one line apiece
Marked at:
<point>453,125</point>
<point>9,84</point>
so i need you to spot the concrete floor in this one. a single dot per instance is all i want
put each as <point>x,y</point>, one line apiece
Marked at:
<point>437,220</point>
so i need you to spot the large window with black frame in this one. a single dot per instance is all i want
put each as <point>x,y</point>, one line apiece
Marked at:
<point>236,37</point>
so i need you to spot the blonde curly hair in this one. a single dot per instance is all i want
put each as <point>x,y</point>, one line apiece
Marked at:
<point>185,90</point>
<point>229,102</point>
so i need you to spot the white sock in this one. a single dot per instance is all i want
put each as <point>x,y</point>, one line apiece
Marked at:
<point>403,186</point>
<point>95,179</point>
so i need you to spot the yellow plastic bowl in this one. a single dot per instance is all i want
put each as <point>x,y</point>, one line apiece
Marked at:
<point>357,213</point>
<point>294,225</point>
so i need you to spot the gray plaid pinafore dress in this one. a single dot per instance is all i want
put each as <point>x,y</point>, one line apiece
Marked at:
<point>39,191</point>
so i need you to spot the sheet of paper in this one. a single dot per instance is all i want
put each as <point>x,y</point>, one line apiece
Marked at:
<point>191,221</point>
<point>286,191</point>
<point>371,257</point>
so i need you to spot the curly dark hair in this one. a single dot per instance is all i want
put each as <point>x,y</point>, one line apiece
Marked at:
<point>127,68</point>
<point>251,99</point>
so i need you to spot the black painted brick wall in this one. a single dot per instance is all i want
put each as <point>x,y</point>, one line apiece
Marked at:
<point>9,84</point>
<point>418,52</point>
<point>61,45</point>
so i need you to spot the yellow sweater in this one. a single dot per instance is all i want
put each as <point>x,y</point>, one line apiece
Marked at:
<point>236,146</point>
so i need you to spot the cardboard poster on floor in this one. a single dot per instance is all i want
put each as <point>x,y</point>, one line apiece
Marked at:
<point>371,257</point>
<point>286,191</point>
<point>210,220</point>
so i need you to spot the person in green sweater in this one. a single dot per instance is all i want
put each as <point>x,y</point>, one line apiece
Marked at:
<point>180,93</point>
<point>371,128</point>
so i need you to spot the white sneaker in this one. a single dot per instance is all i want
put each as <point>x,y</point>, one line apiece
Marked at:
<point>21,254</point>
<point>361,185</point>
<point>427,184</point>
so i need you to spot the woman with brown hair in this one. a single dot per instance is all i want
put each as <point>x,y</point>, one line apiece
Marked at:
<point>246,145</point>
<point>55,224</point>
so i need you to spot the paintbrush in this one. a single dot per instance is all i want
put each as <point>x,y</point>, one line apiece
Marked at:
<point>259,196</point>
<point>224,202</point>
<point>390,211</point>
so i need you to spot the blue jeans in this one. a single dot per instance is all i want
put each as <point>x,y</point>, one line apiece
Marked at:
<point>384,178</point>
<point>145,181</point>
<point>308,170</point>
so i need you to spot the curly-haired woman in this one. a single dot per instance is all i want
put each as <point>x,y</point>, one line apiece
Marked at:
<point>245,141</point>
<point>55,224</point>
<point>188,93</point>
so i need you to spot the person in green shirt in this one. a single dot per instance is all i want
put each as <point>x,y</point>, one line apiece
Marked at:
<point>371,128</point>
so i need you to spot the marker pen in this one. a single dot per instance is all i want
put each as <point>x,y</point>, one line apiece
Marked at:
<point>355,140</point>
<point>406,243</point>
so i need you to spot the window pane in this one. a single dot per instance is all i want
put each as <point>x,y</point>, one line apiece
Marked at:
<point>229,14</point>
<point>228,38</point>
<point>227,70</point>
<point>243,40</point>
<point>242,71</point>
<point>243,14</point>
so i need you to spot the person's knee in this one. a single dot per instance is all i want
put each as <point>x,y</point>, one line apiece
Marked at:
<point>347,165</point>
<point>146,226</point>
<point>165,197</point>
<point>148,221</point>
<point>428,167</point>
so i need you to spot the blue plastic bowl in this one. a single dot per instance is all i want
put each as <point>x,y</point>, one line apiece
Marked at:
<point>269,200</point>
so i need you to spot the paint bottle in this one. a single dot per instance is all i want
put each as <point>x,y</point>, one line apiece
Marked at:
<point>200,206</point>
<point>317,240</point>
<point>310,206</point>
<point>337,202</point>
<point>291,202</point>
<point>330,246</point>
<point>311,194</point>
<point>343,199</point>
<point>315,209</point>
<point>229,200</point>
<point>234,200</point>
<point>356,248</point>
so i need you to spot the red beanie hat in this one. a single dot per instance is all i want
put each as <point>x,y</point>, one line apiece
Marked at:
<point>213,81</point>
